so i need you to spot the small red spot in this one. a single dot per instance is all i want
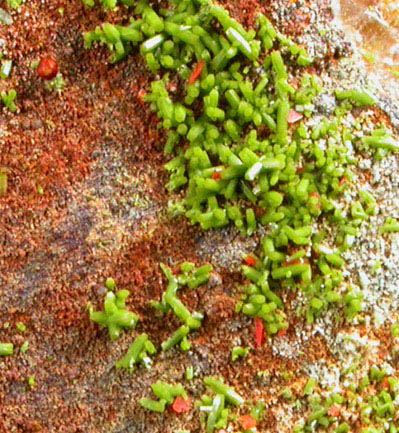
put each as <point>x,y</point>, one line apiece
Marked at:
<point>385,383</point>
<point>47,69</point>
<point>315,194</point>
<point>180,405</point>
<point>300,169</point>
<point>334,411</point>
<point>248,422</point>
<point>197,72</point>
<point>259,332</point>
<point>250,261</point>
<point>216,175</point>
<point>343,180</point>
<point>294,116</point>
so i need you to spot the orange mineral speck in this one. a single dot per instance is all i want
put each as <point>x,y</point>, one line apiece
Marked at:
<point>180,405</point>
<point>248,422</point>
<point>216,175</point>
<point>250,261</point>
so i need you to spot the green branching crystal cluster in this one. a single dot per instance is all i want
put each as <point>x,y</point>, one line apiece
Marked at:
<point>239,352</point>
<point>137,353</point>
<point>367,406</point>
<point>115,316</point>
<point>260,301</point>
<point>191,277</point>
<point>214,407</point>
